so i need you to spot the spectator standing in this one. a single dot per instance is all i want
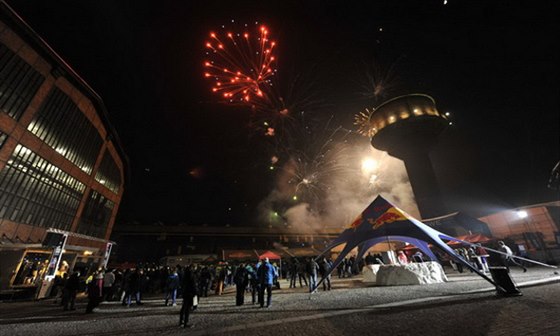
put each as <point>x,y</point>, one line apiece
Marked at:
<point>204,281</point>
<point>312,269</point>
<point>481,251</point>
<point>293,272</point>
<point>325,268</point>
<point>190,292</point>
<point>340,268</point>
<point>241,279</point>
<point>70,291</point>
<point>301,274</point>
<point>220,279</point>
<point>108,283</point>
<point>370,259</point>
<point>172,284</point>
<point>95,291</point>
<point>58,287</point>
<point>265,274</point>
<point>253,282</point>
<point>402,258</point>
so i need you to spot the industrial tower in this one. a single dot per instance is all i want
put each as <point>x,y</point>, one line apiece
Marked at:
<point>408,127</point>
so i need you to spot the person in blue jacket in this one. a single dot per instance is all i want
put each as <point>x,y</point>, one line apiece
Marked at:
<point>265,274</point>
<point>173,283</point>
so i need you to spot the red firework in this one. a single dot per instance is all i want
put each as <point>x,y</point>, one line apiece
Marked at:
<point>240,64</point>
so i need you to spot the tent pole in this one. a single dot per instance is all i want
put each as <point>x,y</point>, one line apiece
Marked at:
<point>502,253</point>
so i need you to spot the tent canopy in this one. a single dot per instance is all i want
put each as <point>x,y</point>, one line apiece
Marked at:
<point>239,254</point>
<point>382,221</point>
<point>270,255</point>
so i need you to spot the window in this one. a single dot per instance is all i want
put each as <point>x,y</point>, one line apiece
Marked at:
<point>96,215</point>
<point>61,125</point>
<point>108,173</point>
<point>18,83</point>
<point>3,138</point>
<point>35,192</point>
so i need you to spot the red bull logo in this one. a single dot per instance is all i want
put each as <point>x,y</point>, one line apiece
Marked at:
<point>390,216</point>
<point>356,222</point>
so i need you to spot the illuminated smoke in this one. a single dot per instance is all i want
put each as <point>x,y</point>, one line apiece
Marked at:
<point>340,196</point>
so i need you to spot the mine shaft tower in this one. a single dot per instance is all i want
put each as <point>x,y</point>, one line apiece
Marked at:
<point>408,127</point>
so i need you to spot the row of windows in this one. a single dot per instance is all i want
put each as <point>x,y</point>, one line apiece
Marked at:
<point>3,138</point>
<point>35,192</point>
<point>66,129</point>
<point>96,215</point>
<point>108,173</point>
<point>18,83</point>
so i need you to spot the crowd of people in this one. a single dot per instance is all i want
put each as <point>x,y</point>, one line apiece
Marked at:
<point>194,281</point>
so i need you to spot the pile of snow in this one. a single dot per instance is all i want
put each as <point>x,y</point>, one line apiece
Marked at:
<point>410,274</point>
<point>370,273</point>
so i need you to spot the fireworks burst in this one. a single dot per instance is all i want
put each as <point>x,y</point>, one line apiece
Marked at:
<point>362,121</point>
<point>242,68</point>
<point>378,82</point>
<point>311,167</point>
<point>241,64</point>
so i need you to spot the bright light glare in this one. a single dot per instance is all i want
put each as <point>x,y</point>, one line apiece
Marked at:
<point>522,214</point>
<point>369,166</point>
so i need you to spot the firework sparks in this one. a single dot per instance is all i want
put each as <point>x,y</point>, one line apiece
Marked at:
<point>240,64</point>
<point>362,120</point>
<point>378,82</point>
<point>310,168</point>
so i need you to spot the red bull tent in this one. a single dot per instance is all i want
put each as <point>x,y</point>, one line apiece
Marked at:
<point>382,221</point>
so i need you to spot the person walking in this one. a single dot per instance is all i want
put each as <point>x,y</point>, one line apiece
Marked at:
<point>508,257</point>
<point>265,274</point>
<point>190,292</point>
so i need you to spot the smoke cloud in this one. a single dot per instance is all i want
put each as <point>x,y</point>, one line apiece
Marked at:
<point>336,197</point>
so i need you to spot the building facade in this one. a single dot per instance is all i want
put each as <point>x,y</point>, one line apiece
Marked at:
<point>62,168</point>
<point>531,230</point>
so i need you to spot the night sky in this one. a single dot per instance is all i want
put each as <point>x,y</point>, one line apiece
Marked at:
<point>494,65</point>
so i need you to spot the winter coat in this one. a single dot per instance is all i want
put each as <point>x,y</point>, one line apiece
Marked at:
<point>73,282</point>
<point>189,286</point>
<point>173,281</point>
<point>312,268</point>
<point>241,277</point>
<point>265,274</point>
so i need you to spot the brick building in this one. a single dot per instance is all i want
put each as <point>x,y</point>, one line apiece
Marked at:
<point>62,168</point>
